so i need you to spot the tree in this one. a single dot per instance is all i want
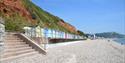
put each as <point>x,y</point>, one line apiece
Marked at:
<point>81,33</point>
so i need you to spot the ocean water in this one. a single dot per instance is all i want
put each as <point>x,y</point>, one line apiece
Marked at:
<point>120,40</point>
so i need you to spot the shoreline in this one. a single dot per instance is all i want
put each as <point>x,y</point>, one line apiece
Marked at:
<point>115,43</point>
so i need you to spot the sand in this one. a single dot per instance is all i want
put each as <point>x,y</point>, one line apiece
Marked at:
<point>88,51</point>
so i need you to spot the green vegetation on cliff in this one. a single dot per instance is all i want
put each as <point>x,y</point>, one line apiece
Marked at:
<point>26,13</point>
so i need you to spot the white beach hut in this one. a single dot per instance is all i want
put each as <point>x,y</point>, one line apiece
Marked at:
<point>27,31</point>
<point>45,32</point>
<point>42,32</point>
<point>54,33</point>
<point>61,34</point>
<point>49,33</point>
<point>58,32</point>
<point>73,36</point>
<point>66,35</point>
<point>38,31</point>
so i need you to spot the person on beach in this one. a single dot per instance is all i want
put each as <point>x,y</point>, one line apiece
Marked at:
<point>108,40</point>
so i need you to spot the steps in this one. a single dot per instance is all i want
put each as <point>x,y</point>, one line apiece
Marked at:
<point>14,47</point>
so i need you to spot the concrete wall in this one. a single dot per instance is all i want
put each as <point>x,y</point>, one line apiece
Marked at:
<point>2,34</point>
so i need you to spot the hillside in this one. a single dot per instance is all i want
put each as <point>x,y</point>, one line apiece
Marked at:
<point>110,35</point>
<point>20,13</point>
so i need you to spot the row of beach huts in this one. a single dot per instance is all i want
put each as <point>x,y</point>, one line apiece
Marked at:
<point>49,33</point>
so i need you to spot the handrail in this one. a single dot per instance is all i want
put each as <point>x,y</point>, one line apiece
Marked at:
<point>31,43</point>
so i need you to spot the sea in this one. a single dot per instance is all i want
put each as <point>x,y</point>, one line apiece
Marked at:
<point>120,40</point>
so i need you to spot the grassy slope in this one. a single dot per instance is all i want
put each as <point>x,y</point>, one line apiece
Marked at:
<point>43,18</point>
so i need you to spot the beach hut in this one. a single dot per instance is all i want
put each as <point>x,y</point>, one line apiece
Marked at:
<point>45,31</point>
<point>54,33</point>
<point>27,31</point>
<point>66,35</point>
<point>50,33</point>
<point>36,34</point>
<point>61,35</point>
<point>38,31</point>
<point>32,31</point>
<point>58,34</point>
<point>79,37</point>
<point>73,36</point>
<point>76,36</point>
<point>69,36</point>
<point>42,32</point>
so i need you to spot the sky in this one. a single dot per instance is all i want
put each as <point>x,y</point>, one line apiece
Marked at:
<point>89,16</point>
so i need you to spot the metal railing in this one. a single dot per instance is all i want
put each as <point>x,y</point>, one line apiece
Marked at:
<point>36,36</point>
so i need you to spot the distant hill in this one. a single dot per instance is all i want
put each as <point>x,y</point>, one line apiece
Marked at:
<point>110,35</point>
<point>20,13</point>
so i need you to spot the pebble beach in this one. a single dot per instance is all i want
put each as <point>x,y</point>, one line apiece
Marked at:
<point>87,51</point>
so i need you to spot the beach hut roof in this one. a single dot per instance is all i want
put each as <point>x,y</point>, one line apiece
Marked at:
<point>27,28</point>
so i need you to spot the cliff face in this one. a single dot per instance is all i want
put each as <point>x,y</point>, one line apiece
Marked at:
<point>67,26</point>
<point>20,13</point>
<point>10,7</point>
